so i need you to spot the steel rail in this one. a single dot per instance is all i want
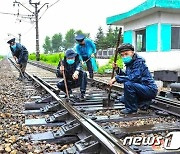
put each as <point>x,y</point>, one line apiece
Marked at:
<point>161,103</point>
<point>111,143</point>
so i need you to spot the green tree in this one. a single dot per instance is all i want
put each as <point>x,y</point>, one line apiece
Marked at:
<point>57,42</point>
<point>69,39</point>
<point>47,45</point>
<point>112,37</point>
<point>80,32</point>
<point>100,39</point>
<point>109,40</point>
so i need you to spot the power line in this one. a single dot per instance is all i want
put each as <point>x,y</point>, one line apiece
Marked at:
<point>54,3</point>
<point>36,14</point>
<point>48,8</point>
<point>16,14</point>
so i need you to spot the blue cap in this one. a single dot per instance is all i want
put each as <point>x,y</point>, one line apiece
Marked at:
<point>80,37</point>
<point>11,40</point>
<point>70,53</point>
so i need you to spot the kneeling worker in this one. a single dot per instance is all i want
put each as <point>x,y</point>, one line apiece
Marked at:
<point>75,77</point>
<point>139,86</point>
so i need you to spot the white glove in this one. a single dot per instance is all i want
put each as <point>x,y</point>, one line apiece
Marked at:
<point>75,75</point>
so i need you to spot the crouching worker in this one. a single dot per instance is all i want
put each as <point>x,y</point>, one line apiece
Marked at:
<point>75,77</point>
<point>20,55</point>
<point>139,86</point>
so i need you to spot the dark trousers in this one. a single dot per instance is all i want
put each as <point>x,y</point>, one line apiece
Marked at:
<point>80,82</point>
<point>137,95</point>
<point>22,68</point>
<point>89,66</point>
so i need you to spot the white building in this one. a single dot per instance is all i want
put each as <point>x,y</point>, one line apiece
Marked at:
<point>154,29</point>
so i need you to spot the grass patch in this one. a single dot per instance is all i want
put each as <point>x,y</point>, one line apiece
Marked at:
<point>108,67</point>
<point>52,59</point>
<point>1,57</point>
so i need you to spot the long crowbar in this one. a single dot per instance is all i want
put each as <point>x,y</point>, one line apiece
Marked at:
<point>115,59</point>
<point>65,83</point>
<point>19,69</point>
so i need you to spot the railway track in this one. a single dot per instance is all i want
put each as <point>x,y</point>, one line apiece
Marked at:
<point>94,126</point>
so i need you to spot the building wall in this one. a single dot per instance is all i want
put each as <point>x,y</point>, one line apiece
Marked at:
<point>128,36</point>
<point>142,22</point>
<point>162,60</point>
<point>158,30</point>
<point>165,37</point>
<point>158,39</point>
<point>152,37</point>
<point>170,17</point>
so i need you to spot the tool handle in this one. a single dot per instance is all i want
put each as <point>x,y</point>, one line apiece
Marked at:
<point>65,82</point>
<point>116,51</point>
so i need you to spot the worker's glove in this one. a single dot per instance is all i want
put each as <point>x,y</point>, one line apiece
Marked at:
<point>61,68</point>
<point>92,55</point>
<point>15,58</point>
<point>82,62</point>
<point>18,65</point>
<point>112,81</point>
<point>75,75</point>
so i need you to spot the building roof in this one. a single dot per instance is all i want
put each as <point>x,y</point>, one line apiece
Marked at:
<point>146,8</point>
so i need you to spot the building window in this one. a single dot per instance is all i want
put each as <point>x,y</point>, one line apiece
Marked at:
<point>99,52</point>
<point>105,53</point>
<point>175,38</point>
<point>141,40</point>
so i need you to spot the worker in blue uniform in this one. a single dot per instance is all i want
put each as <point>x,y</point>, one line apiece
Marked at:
<point>86,49</point>
<point>139,86</point>
<point>20,55</point>
<point>75,76</point>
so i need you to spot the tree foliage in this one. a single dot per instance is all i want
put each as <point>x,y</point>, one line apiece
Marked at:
<point>100,39</point>
<point>47,45</point>
<point>103,40</point>
<point>69,39</point>
<point>106,41</point>
<point>57,42</point>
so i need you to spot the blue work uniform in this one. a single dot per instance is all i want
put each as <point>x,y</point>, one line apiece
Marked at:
<point>85,51</point>
<point>139,86</point>
<point>69,71</point>
<point>20,52</point>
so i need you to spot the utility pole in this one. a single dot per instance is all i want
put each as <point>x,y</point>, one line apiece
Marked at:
<point>35,5</point>
<point>37,28</point>
<point>19,37</point>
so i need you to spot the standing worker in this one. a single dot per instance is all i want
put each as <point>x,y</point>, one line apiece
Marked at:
<point>74,75</point>
<point>139,86</point>
<point>86,50</point>
<point>20,55</point>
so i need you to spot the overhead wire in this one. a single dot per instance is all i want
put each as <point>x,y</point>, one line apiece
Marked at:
<point>48,8</point>
<point>41,16</point>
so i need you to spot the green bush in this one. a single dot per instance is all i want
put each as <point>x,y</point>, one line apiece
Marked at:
<point>32,56</point>
<point>52,59</point>
<point>108,67</point>
<point>1,57</point>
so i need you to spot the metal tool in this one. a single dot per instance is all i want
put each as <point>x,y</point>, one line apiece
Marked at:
<point>115,59</point>
<point>65,83</point>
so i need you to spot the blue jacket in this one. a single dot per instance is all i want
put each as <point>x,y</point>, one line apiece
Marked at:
<point>69,69</point>
<point>137,72</point>
<point>20,52</point>
<point>87,49</point>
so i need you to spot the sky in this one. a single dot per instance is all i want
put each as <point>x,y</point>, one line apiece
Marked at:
<point>83,15</point>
